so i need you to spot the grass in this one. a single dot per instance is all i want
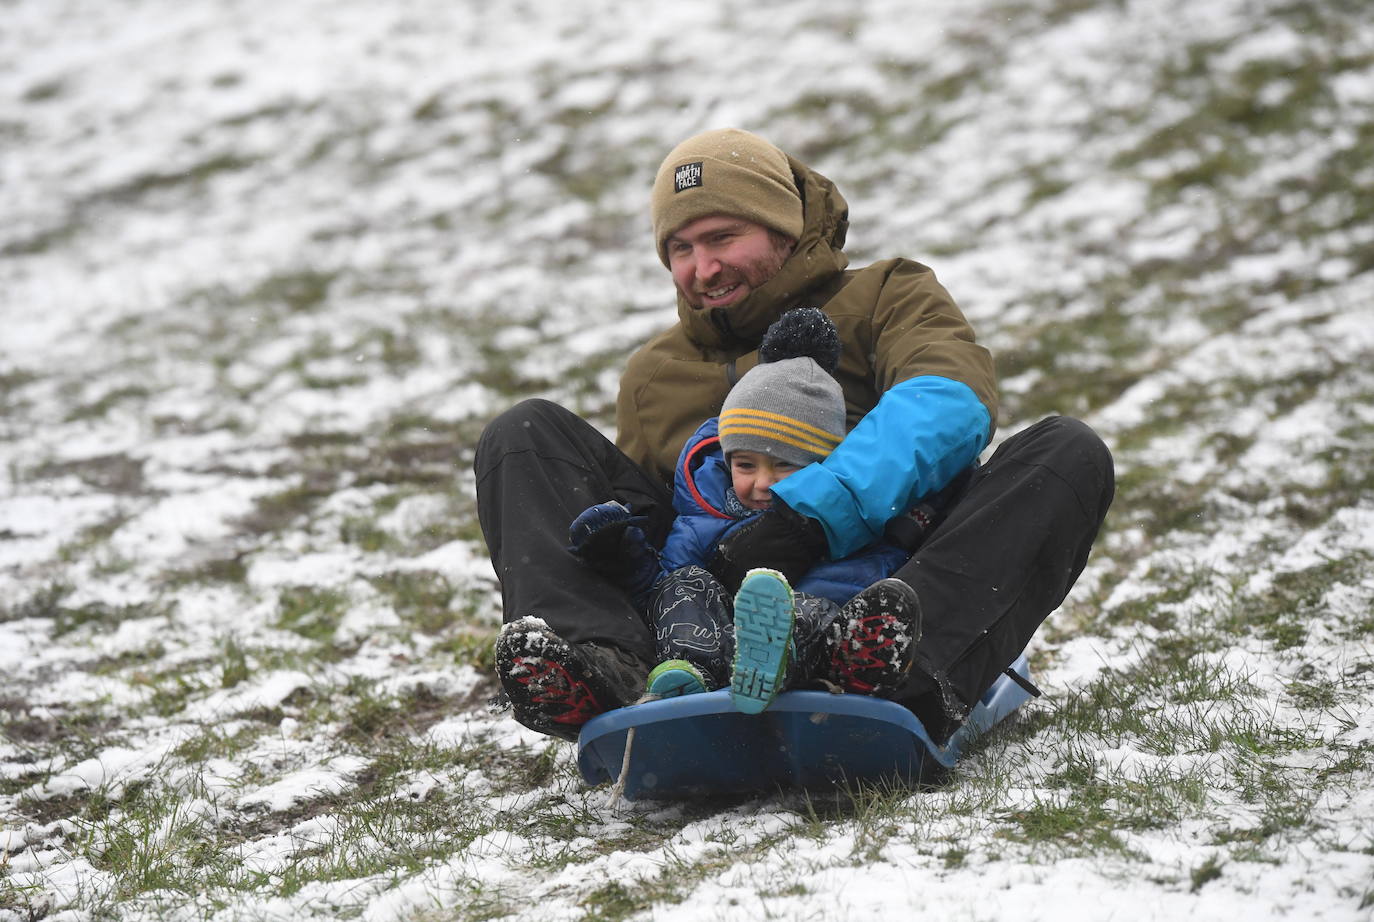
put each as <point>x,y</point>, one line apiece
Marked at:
<point>1206,678</point>
<point>311,612</point>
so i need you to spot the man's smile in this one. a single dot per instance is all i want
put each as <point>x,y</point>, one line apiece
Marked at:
<point>722,294</point>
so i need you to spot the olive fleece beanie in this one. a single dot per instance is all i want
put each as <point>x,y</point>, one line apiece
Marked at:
<point>725,171</point>
<point>789,406</point>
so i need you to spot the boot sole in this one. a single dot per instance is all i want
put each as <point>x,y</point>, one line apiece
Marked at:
<point>764,619</point>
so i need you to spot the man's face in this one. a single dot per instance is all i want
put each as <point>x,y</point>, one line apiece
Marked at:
<point>717,260</point>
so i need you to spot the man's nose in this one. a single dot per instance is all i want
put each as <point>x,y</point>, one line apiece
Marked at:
<point>707,264</point>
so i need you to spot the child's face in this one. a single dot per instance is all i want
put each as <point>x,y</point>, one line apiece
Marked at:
<point>752,473</point>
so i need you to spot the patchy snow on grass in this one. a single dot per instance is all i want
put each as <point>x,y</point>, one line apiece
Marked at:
<point>267,268</point>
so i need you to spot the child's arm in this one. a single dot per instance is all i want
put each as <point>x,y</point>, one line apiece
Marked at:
<point>608,537</point>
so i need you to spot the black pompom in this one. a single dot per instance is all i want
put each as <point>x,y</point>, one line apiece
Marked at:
<point>803,331</point>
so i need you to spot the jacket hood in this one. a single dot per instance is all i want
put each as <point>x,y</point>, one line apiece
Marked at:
<point>818,256</point>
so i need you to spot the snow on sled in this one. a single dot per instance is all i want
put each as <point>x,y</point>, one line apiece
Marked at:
<point>698,744</point>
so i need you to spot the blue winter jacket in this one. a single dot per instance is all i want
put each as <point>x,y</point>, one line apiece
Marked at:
<point>708,510</point>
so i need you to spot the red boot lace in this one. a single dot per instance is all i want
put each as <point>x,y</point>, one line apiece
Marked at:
<point>550,683</point>
<point>875,638</point>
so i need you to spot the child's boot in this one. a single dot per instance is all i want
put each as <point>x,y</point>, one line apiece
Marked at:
<point>764,618</point>
<point>675,677</point>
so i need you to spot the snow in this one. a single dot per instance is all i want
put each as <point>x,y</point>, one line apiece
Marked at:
<point>331,778</point>
<point>452,182</point>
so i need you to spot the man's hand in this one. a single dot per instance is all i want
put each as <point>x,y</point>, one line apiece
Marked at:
<point>781,539</point>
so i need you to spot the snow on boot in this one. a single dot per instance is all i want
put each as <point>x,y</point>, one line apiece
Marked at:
<point>873,638</point>
<point>555,686</point>
<point>676,677</point>
<point>764,618</point>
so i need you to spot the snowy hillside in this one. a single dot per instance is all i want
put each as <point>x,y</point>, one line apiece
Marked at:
<point>266,268</point>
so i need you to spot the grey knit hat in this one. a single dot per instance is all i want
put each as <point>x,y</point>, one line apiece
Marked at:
<point>790,406</point>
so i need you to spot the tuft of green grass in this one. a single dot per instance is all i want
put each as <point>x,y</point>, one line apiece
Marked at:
<point>101,406</point>
<point>1071,826</point>
<point>46,602</point>
<point>105,617</point>
<point>235,667</point>
<point>119,474</point>
<point>232,570</point>
<point>473,647</point>
<point>421,597</point>
<point>12,383</point>
<point>1205,873</point>
<point>364,533</point>
<point>277,511</point>
<point>614,901</point>
<point>297,290</point>
<point>44,90</point>
<point>311,611</point>
<point>194,177</point>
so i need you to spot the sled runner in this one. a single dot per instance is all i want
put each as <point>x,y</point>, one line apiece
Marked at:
<point>698,744</point>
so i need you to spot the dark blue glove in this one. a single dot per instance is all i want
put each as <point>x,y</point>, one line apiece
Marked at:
<point>609,538</point>
<point>597,532</point>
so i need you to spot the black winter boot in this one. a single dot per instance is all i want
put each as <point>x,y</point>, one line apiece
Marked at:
<point>871,641</point>
<point>554,686</point>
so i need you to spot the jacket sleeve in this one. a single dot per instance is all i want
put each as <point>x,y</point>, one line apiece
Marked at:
<point>922,433</point>
<point>682,547</point>
<point>935,411</point>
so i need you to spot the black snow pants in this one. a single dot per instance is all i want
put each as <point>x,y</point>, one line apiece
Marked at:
<point>1010,547</point>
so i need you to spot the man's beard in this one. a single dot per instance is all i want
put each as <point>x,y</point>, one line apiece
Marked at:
<point>754,275</point>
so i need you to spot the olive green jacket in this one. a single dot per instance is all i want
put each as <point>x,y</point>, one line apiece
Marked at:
<point>895,320</point>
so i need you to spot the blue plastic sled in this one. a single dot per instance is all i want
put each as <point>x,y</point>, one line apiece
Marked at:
<point>698,744</point>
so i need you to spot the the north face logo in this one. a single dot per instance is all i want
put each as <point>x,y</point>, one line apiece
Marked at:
<point>687,176</point>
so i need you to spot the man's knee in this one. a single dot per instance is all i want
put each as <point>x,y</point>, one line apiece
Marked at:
<point>1085,458</point>
<point>1076,453</point>
<point>1061,439</point>
<point>1076,439</point>
<point>514,429</point>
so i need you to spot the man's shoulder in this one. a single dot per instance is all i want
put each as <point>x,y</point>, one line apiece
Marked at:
<point>884,281</point>
<point>884,269</point>
<point>895,281</point>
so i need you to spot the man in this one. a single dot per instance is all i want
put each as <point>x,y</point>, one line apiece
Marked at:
<point>748,233</point>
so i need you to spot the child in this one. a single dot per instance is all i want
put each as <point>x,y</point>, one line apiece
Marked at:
<point>783,414</point>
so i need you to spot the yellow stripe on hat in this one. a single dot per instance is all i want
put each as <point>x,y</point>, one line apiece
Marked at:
<point>776,426</point>
<point>763,418</point>
<point>815,448</point>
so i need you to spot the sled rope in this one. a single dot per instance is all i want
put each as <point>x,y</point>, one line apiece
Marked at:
<point>1021,680</point>
<point>619,789</point>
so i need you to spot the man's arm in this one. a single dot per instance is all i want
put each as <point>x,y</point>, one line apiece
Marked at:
<point>922,433</point>
<point>934,416</point>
